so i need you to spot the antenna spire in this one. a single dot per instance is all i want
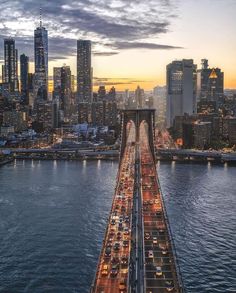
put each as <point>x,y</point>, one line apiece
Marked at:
<point>40,17</point>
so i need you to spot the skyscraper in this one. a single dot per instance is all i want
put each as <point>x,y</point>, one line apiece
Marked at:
<point>139,97</point>
<point>181,89</point>
<point>56,80</point>
<point>65,87</point>
<point>41,62</point>
<point>102,92</point>
<point>84,71</point>
<point>62,86</point>
<point>210,83</point>
<point>11,65</point>
<point>24,71</point>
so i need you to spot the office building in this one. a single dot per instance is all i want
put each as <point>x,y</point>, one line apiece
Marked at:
<point>10,74</point>
<point>159,104</point>
<point>56,80</point>
<point>97,113</point>
<point>210,83</point>
<point>102,93</point>
<point>139,97</point>
<point>24,78</point>
<point>65,88</point>
<point>41,62</point>
<point>84,71</point>
<point>84,112</point>
<point>181,89</point>
<point>62,86</point>
<point>110,113</point>
<point>112,94</point>
<point>55,113</point>
<point>197,134</point>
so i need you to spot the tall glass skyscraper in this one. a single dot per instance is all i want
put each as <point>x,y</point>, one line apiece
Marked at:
<point>84,71</point>
<point>181,89</point>
<point>24,71</point>
<point>41,62</point>
<point>10,65</point>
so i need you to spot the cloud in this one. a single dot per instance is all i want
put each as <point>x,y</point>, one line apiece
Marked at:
<point>143,45</point>
<point>105,54</point>
<point>116,81</point>
<point>119,23</point>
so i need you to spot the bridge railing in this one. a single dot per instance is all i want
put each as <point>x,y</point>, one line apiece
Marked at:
<point>93,287</point>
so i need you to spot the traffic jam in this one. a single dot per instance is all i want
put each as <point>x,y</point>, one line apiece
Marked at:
<point>160,271</point>
<point>112,272</point>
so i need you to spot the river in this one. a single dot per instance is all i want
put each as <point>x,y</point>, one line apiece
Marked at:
<point>53,216</point>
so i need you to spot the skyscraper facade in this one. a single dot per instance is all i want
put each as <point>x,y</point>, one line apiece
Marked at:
<point>65,87</point>
<point>181,89</point>
<point>62,86</point>
<point>139,97</point>
<point>56,81</point>
<point>210,83</point>
<point>41,62</point>
<point>84,71</point>
<point>11,65</point>
<point>24,71</point>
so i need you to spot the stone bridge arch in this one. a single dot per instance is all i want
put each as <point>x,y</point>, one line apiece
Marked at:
<point>138,116</point>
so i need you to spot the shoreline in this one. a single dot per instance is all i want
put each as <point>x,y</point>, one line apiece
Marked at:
<point>6,161</point>
<point>116,158</point>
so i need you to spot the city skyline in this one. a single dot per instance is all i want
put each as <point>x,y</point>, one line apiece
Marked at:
<point>121,55</point>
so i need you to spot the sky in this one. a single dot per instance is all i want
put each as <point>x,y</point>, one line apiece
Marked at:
<point>133,40</point>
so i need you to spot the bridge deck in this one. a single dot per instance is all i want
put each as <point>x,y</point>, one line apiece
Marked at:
<point>161,275</point>
<point>137,254</point>
<point>112,271</point>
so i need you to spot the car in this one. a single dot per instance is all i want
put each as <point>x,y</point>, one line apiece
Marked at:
<point>115,260</point>
<point>126,231</point>
<point>120,227</point>
<point>150,254</point>
<point>154,240</point>
<point>108,252</point>
<point>114,270</point>
<point>116,246</point>
<point>124,260</point>
<point>105,268</point>
<point>163,248</point>
<point>125,243</point>
<point>112,233</point>
<point>123,209</point>
<point>122,285</point>
<point>147,235</point>
<point>113,222</point>
<point>158,271</point>
<point>169,286</point>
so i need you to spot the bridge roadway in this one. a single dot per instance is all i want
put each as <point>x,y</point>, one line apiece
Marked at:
<point>161,273</point>
<point>113,267</point>
<point>138,255</point>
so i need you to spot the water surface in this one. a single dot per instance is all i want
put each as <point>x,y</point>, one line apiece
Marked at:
<point>53,217</point>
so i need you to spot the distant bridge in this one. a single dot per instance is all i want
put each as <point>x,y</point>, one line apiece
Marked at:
<point>192,155</point>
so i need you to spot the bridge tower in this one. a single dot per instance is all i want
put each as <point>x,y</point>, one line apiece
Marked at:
<point>138,116</point>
